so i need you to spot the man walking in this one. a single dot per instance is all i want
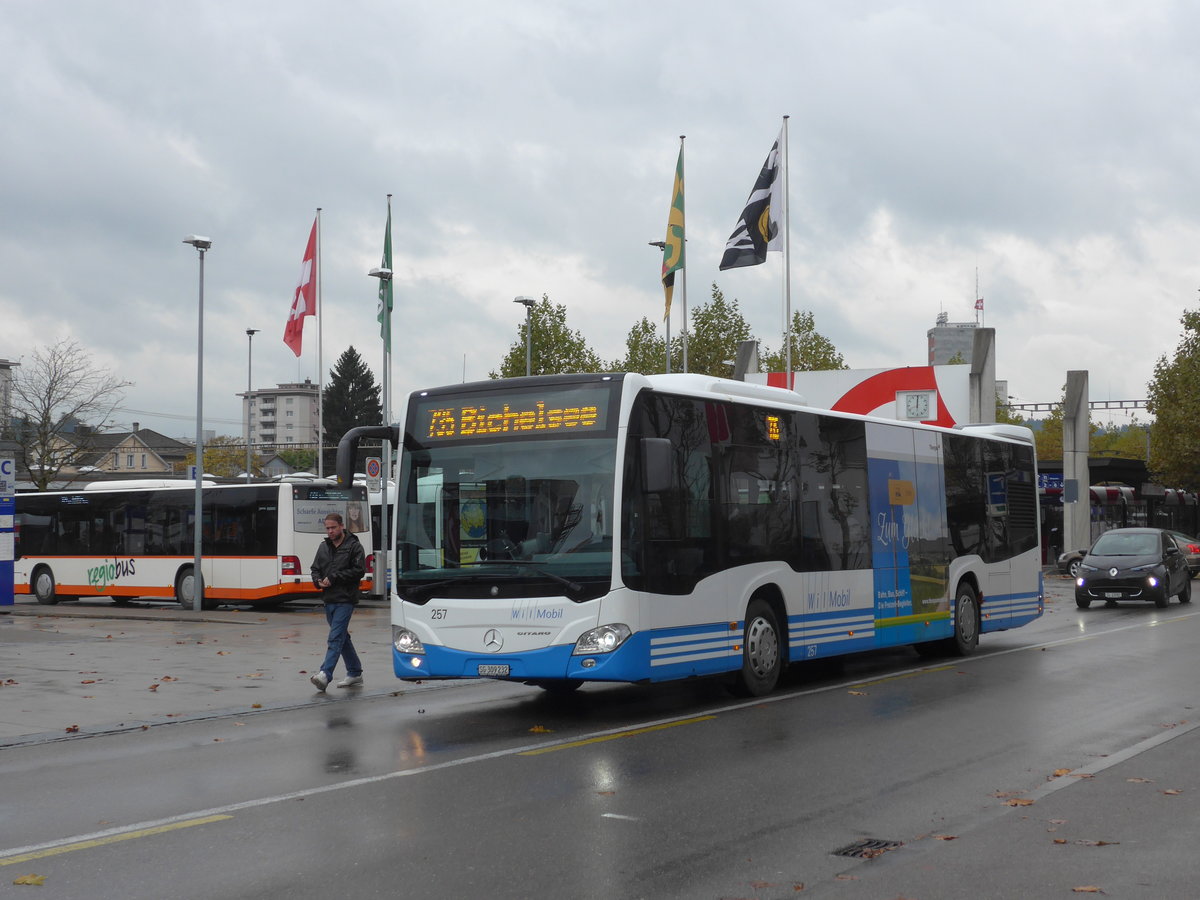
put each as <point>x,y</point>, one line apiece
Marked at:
<point>337,570</point>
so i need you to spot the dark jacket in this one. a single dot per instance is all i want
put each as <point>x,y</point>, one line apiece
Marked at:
<point>345,567</point>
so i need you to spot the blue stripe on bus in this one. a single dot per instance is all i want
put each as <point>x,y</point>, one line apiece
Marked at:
<point>667,653</point>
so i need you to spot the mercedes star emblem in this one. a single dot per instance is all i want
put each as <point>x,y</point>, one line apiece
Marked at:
<point>492,640</point>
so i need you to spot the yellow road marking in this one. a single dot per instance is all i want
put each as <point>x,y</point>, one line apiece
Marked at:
<point>111,839</point>
<point>862,684</point>
<point>613,737</point>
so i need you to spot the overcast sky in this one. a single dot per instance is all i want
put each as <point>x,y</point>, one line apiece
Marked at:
<point>530,148</point>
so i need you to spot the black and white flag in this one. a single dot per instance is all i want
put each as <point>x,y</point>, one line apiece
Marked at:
<point>758,230</point>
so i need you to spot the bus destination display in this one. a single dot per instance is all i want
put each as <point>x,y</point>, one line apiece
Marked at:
<point>546,414</point>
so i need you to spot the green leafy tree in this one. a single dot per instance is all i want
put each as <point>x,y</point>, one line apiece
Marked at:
<point>224,456</point>
<point>300,460</point>
<point>555,348</point>
<point>1175,406</point>
<point>350,399</point>
<point>811,351</point>
<point>957,359</point>
<point>1048,439</point>
<point>1125,441</point>
<point>1007,416</point>
<point>644,350</point>
<point>716,329</point>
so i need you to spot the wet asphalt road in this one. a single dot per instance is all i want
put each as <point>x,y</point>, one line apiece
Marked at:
<point>1063,756</point>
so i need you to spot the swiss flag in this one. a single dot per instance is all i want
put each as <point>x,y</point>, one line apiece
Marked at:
<point>304,301</point>
<point>979,303</point>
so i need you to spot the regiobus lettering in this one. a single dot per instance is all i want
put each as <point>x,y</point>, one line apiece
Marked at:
<point>670,526</point>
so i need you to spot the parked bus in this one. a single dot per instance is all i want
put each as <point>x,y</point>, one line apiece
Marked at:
<point>561,529</point>
<point>136,539</point>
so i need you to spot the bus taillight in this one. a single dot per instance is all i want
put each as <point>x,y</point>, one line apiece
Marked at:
<point>370,563</point>
<point>291,565</point>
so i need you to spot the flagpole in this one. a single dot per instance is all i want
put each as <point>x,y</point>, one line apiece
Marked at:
<point>668,341</point>
<point>683,269</point>
<point>320,360</point>
<point>383,569</point>
<point>787,262</point>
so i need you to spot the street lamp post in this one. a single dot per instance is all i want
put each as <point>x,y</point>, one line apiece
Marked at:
<point>202,244</point>
<point>250,333</point>
<point>381,565</point>
<point>527,302</point>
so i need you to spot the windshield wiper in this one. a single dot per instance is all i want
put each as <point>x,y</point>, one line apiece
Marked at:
<point>573,586</point>
<point>420,592</point>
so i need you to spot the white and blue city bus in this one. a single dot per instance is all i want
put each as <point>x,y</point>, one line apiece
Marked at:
<point>560,529</point>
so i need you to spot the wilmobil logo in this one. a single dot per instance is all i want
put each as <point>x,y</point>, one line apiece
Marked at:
<point>108,572</point>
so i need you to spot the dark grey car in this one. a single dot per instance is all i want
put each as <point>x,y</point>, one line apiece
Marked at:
<point>1133,564</point>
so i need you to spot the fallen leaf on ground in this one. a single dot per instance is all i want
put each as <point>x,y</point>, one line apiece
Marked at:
<point>1140,780</point>
<point>1058,773</point>
<point>540,729</point>
<point>1172,792</point>
<point>153,687</point>
<point>1087,889</point>
<point>256,706</point>
<point>1019,801</point>
<point>945,837</point>
<point>30,879</point>
<point>857,693</point>
<point>71,729</point>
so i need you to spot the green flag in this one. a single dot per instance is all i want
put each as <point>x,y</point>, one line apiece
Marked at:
<point>385,286</point>
<point>673,245</point>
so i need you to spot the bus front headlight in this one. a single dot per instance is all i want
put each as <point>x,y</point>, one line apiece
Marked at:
<point>604,639</point>
<point>406,642</point>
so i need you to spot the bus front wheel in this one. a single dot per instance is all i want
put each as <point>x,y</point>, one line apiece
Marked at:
<point>762,656</point>
<point>44,588</point>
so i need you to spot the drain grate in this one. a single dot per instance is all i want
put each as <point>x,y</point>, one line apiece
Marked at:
<point>868,848</point>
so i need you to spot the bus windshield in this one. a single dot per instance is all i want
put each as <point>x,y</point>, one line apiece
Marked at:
<point>507,518</point>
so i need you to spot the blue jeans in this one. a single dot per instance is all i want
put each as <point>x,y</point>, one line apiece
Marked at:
<point>340,646</point>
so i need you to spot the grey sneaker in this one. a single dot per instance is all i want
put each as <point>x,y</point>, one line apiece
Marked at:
<point>320,681</point>
<point>351,681</point>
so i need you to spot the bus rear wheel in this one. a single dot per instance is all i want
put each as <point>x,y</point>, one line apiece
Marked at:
<point>966,622</point>
<point>762,655</point>
<point>44,587</point>
<point>185,591</point>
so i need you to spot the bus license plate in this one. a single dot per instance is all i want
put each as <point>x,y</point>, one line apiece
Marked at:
<point>1113,595</point>
<point>493,671</point>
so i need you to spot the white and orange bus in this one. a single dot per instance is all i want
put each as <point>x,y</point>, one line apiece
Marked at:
<point>135,539</point>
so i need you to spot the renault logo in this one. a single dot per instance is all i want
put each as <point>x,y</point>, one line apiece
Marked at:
<point>1112,572</point>
<point>492,640</point>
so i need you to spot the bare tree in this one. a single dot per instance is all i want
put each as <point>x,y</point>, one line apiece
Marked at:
<point>56,391</point>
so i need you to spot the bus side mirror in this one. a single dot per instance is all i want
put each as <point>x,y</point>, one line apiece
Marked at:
<point>657,465</point>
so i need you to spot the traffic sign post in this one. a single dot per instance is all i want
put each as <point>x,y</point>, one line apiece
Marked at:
<point>374,474</point>
<point>8,487</point>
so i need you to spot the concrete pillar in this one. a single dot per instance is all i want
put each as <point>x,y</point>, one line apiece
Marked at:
<point>746,360</point>
<point>1077,504</point>
<point>982,380</point>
